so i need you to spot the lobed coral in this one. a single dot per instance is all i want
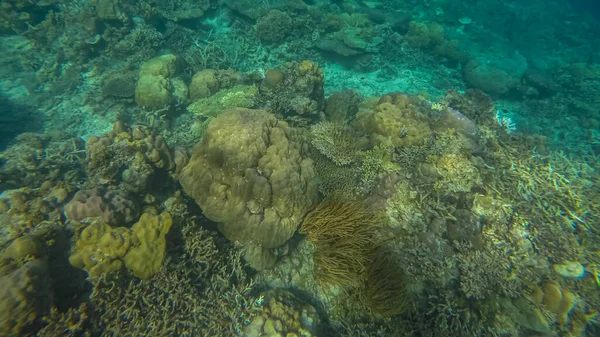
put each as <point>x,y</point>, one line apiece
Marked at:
<point>249,174</point>
<point>102,249</point>
<point>396,120</point>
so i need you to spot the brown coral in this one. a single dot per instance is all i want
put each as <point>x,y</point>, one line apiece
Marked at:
<point>249,174</point>
<point>398,120</point>
<point>113,207</point>
<point>25,295</point>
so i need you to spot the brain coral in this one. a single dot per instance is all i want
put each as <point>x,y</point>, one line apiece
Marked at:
<point>250,175</point>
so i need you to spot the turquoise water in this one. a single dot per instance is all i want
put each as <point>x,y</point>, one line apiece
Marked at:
<point>299,168</point>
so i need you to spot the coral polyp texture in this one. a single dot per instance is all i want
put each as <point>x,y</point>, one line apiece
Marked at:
<point>299,168</point>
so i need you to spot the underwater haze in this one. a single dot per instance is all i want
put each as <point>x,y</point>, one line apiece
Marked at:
<point>299,168</point>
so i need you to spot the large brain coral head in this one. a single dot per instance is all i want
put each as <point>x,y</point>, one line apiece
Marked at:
<point>249,174</point>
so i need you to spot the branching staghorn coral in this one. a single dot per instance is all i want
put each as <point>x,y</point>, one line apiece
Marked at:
<point>562,189</point>
<point>342,232</point>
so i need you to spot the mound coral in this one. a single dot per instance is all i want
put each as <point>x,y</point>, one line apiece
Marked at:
<point>25,295</point>
<point>153,89</point>
<point>342,233</point>
<point>112,207</point>
<point>101,249</point>
<point>397,120</point>
<point>249,174</point>
<point>273,27</point>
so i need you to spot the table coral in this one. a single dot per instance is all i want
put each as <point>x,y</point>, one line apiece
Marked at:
<point>249,174</point>
<point>398,120</point>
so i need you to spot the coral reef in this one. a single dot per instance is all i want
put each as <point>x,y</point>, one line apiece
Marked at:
<point>298,96</point>
<point>455,145</point>
<point>284,315</point>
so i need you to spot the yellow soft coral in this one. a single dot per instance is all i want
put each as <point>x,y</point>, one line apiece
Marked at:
<point>102,249</point>
<point>145,257</point>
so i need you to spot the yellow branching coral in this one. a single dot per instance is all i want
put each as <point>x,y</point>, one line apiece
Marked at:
<point>342,233</point>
